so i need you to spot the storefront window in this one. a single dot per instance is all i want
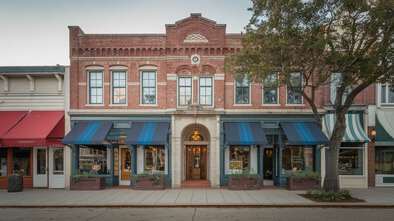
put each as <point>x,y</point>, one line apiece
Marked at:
<point>155,159</point>
<point>21,161</point>
<point>94,160</point>
<point>3,162</point>
<point>239,159</point>
<point>384,160</point>
<point>297,159</point>
<point>350,162</point>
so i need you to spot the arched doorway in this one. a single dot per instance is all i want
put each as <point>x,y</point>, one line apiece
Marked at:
<point>196,151</point>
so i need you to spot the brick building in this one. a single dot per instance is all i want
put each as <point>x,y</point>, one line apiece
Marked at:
<point>163,103</point>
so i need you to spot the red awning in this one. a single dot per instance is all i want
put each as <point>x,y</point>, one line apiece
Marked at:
<point>8,119</point>
<point>38,128</point>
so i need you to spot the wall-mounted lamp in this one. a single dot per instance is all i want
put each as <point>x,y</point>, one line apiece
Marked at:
<point>373,134</point>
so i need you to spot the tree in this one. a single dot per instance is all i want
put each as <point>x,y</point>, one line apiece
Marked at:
<point>318,38</point>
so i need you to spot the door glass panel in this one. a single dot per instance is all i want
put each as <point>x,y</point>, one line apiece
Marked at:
<point>127,161</point>
<point>58,162</point>
<point>41,161</point>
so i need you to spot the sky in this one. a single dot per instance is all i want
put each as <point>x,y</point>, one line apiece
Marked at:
<point>35,32</point>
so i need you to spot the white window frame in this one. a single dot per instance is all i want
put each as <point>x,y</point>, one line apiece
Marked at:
<point>277,94</point>
<point>178,91</point>
<point>89,87</point>
<point>112,88</point>
<point>142,89</point>
<point>379,95</point>
<point>212,92</point>
<point>249,93</point>
<point>287,92</point>
<point>364,162</point>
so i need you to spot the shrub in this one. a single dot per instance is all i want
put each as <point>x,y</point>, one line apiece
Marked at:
<point>157,177</point>
<point>299,177</point>
<point>245,174</point>
<point>330,195</point>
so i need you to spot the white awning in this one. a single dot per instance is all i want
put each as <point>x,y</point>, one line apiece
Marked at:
<point>354,130</point>
<point>386,119</point>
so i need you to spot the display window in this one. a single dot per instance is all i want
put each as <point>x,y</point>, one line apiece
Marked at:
<point>297,159</point>
<point>3,162</point>
<point>384,160</point>
<point>350,161</point>
<point>155,159</point>
<point>239,159</point>
<point>21,161</point>
<point>94,161</point>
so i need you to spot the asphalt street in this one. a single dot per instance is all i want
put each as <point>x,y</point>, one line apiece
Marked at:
<point>203,214</point>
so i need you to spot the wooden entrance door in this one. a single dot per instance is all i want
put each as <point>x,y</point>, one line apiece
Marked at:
<point>196,162</point>
<point>125,170</point>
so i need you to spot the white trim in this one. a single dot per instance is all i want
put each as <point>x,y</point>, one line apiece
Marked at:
<point>59,82</point>
<point>82,84</point>
<point>302,84</point>
<point>94,68</point>
<point>32,83</point>
<point>88,88</point>
<point>161,83</point>
<point>118,68</point>
<point>278,104</point>
<point>171,77</point>
<point>218,76</point>
<point>212,92</point>
<point>229,83</point>
<point>147,68</point>
<point>133,83</point>
<point>6,83</point>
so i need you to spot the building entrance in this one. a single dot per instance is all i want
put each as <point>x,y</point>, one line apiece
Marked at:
<point>196,162</point>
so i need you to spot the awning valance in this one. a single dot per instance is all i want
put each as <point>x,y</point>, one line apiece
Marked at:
<point>304,133</point>
<point>147,133</point>
<point>244,133</point>
<point>37,128</point>
<point>354,130</point>
<point>88,133</point>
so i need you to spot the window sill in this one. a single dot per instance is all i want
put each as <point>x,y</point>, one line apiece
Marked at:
<point>148,105</point>
<point>94,105</point>
<point>271,105</point>
<point>295,105</point>
<point>242,105</point>
<point>118,105</point>
<point>355,176</point>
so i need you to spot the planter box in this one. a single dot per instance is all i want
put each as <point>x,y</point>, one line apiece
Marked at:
<point>15,183</point>
<point>243,183</point>
<point>148,184</point>
<point>304,184</point>
<point>97,183</point>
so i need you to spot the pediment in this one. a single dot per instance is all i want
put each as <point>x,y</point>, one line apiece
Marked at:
<point>195,38</point>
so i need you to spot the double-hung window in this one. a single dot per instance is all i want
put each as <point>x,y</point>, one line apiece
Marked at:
<point>149,87</point>
<point>294,97</point>
<point>206,91</point>
<point>95,87</point>
<point>119,87</point>
<point>387,94</point>
<point>270,90</point>
<point>242,92</point>
<point>184,91</point>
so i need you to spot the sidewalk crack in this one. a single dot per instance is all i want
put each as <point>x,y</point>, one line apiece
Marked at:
<point>194,213</point>
<point>105,210</point>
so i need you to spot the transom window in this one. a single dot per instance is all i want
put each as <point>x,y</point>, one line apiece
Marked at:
<point>184,91</point>
<point>270,90</point>
<point>149,87</point>
<point>206,91</point>
<point>96,87</point>
<point>387,94</point>
<point>296,81</point>
<point>242,92</point>
<point>119,87</point>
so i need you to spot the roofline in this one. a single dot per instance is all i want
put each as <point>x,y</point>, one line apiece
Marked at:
<point>195,15</point>
<point>24,69</point>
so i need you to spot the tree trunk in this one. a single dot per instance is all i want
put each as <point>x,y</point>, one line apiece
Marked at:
<point>331,180</point>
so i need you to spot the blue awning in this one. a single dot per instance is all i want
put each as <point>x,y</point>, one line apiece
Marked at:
<point>147,133</point>
<point>354,130</point>
<point>304,133</point>
<point>88,133</point>
<point>244,133</point>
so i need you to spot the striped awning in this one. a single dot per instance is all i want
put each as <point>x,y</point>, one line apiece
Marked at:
<point>88,133</point>
<point>244,133</point>
<point>147,133</point>
<point>354,130</point>
<point>304,133</point>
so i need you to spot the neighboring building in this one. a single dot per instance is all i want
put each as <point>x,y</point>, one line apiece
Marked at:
<point>382,160</point>
<point>162,103</point>
<point>32,105</point>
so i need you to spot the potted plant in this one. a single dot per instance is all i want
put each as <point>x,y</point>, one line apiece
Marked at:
<point>304,181</point>
<point>149,181</point>
<point>87,182</point>
<point>246,180</point>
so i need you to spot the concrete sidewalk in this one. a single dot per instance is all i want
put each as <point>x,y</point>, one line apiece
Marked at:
<point>382,196</point>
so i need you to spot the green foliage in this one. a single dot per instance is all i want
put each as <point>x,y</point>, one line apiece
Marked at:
<point>157,177</point>
<point>246,174</point>
<point>311,175</point>
<point>77,176</point>
<point>330,195</point>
